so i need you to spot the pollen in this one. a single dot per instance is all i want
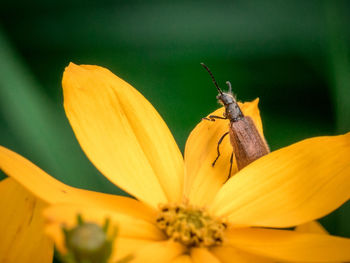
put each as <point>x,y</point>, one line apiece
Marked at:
<point>191,226</point>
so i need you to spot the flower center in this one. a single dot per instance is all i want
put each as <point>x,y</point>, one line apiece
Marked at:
<point>193,227</point>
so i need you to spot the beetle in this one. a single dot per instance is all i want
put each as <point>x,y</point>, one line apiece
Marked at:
<point>247,143</point>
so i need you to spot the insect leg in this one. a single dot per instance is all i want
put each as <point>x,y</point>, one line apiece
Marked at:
<point>231,163</point>
<point>218,148</point>
<point>207,119</point>
<point>217,117</point>
<point>213,117</point>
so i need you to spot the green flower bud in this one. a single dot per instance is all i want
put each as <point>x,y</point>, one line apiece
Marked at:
<point>88,243</point>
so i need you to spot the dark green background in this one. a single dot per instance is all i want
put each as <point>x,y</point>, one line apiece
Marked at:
<point>294,55</point>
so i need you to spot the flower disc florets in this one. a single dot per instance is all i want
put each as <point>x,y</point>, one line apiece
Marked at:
<point>193,227</point>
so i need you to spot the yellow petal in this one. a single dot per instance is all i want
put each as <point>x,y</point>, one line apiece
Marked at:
<point>53,191</point>
<point>159,252</point>
<point>284,245</point>
<point>32,177</point>
<point>21,226</point>
<point>228,254</point>
<point>126,247</point>
<point>128,226</point>
<point>311,227</point>
<point>182,259</point>
<point>291,186</point>
<point>202,255</point>
<point>122,134</point>
<point>202,180</point>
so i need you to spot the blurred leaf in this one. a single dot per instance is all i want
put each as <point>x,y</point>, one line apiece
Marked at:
<point>339,70</point>
<point>339,63</point>
<point>42,132</point>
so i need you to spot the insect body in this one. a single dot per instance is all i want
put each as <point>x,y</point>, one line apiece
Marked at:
<point>248,145</point>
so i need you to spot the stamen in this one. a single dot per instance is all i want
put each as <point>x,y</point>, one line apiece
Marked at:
<point>191,226</point>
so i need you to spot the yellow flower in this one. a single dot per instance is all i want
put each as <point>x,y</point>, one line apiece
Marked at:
<point>184,212</point>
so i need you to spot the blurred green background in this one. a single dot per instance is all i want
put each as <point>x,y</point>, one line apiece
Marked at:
<point>294,55</point>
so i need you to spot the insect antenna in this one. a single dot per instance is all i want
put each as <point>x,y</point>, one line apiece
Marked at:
<point>212,77</point>
<point>229,86</point>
